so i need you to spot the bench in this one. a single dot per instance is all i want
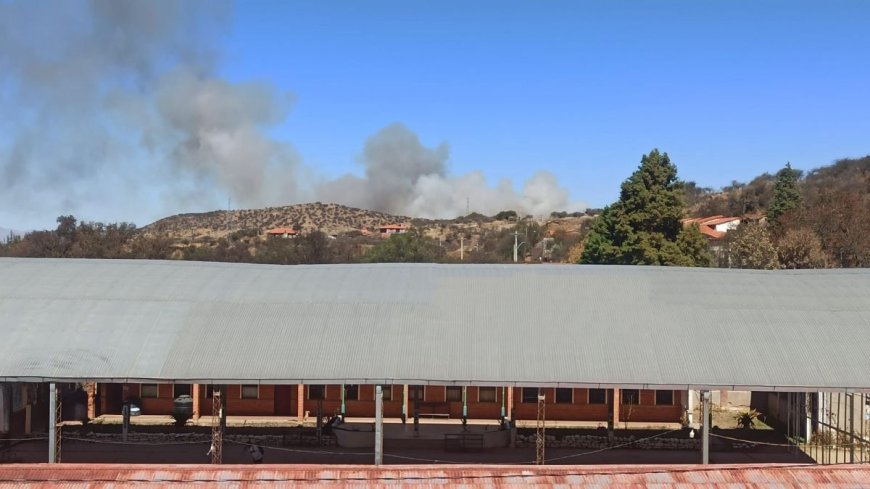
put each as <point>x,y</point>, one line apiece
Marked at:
<point>433,409</point>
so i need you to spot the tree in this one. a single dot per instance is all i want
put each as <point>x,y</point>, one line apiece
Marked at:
<point>786,195</point>
<point>643,227</point>
<point>410,247</point>
<point>314,248</point>
<point>751,247</point>
<point>801,248</point>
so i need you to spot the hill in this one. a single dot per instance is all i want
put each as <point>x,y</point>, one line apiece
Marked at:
<point>332,219</point>
<point>844,177</point>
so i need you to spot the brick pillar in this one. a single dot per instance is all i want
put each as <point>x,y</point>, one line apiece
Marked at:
<point>92,405</point>
<point>300,403</point>
<point>195,392</point>
<point>616,405</point>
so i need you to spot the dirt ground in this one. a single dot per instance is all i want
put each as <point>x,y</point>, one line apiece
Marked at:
<point>81,452</point>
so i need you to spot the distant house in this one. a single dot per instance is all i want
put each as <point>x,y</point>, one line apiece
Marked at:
<point>715,228</point>
<point>282,233</point>
<point>391,229</point>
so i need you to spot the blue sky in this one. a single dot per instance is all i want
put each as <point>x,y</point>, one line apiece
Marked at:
<point>104,112</point>
<point>582,89</point>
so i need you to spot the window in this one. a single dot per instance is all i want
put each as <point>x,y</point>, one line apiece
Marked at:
<point>351,392</point>
<point>630,396</point>
<point>416,393</point>
<point>530,394</point>
<point>597,396</point>
<point>150,390</point>
<point>181,390</point>
<point>250,391</point>
<point>564,395</point>
<point>316,391</point>
<point>387,392</point>
<point>664,398</point>
<point>486,394</point>
<point>454,393</point>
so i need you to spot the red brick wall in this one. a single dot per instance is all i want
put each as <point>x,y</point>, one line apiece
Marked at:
<point>264,405</point>
<point>579,410</point>
<point>163,404</point>
<point>648,412</point>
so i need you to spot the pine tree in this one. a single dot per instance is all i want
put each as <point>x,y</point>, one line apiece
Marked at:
<point>643,227</point>
<point>786,195</point>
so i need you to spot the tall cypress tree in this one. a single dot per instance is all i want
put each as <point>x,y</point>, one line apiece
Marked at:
<point>643,227</point>
<point>786,195</point>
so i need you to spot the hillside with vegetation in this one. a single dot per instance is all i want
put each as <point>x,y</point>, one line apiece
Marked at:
<point>326,233</point>
<point>814,219</point>
<point>792,219</point>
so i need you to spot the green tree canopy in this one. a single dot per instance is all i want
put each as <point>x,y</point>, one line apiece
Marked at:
<point>786,195</point>
<point>643,227</point>
<point>410,247</point>
<point>751,247</point>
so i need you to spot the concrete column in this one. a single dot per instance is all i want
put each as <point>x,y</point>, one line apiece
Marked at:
<point>92,402</point>
<point>343,405</point>
<point>705,439</point>
<point>300,402</point>
<point>503,411</point>
<point>690,408</point>
<point>52,422</point>
<point>510,403</point>
<point>195,392</point>
<point>405,401</point>
<point>851,399</point>
<point>379,425</point>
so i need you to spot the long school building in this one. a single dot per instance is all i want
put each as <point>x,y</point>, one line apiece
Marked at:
<point>569,330</point>
<point>354,400</point>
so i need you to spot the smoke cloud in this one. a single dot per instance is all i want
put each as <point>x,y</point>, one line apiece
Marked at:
<point>112,106</point>
<point>404,177</point>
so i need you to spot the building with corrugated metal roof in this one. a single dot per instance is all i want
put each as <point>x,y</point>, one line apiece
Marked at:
<point>282,337</point>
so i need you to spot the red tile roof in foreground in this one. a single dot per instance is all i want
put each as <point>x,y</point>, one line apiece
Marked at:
<point>244,476</point>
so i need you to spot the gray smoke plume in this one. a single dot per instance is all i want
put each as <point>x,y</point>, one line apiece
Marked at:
<point>114,106</point>
<point>107,102</point>
<point>404,177</point>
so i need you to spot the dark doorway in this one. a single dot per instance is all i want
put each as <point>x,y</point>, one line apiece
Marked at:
<point>284,400</point>
<point>114,395</point>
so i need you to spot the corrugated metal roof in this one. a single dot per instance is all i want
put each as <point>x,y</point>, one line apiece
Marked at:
<point>441,324</point>
<point>725,476</point>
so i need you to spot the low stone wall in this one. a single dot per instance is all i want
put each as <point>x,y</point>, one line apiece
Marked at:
<point>289,439</point>
<point>597,442</point>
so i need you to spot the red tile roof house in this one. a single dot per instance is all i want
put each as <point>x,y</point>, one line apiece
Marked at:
<point>391,229</point>
<point>714,228</point>
<point>281,233</point>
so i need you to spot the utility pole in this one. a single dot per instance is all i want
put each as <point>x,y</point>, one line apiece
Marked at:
<point>516,236</point>
<point>217,438</point>
<point>379,425</point>
<point>467,205</point>
<point>540,430</point>
<point>54,425</point>
<point>461,248</point>
<point>705,438</point>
